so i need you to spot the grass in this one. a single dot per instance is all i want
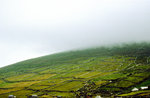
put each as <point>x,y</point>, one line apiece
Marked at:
<point>3,91</point>
<point>20,77</point>
<point>37,87</point>
<point>98,83</point>
<point>135,93</point>
<point>71,86</point>
<point>65,72</point>
<point>22,93</point>
<point>19,84</point>
<point>111,76</point>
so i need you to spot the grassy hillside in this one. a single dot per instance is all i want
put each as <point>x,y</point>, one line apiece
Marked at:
<point>107,71</point>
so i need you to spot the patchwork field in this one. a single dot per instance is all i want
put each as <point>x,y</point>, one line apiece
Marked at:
<point>78,73</point>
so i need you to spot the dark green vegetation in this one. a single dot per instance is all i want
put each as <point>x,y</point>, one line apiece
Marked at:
<point>107,71</point>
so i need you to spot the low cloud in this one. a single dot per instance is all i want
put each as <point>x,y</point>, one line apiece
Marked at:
<point>33,28</point>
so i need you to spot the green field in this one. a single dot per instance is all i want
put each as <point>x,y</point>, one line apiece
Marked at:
<point>107,71</point>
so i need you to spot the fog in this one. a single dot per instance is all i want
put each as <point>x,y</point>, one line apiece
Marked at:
<point>32,28</point>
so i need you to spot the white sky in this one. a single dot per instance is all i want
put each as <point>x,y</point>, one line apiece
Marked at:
<point>31,28</point>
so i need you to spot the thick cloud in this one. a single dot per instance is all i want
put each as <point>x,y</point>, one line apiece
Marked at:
<point>31,28</point>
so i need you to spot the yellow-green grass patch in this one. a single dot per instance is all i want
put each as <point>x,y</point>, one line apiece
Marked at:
<point>74,85</point>
<point>143,74</point>
<point>37,87</point>
<point>41,77</point>
<point>101,75</point>
<point>100,82</point>
<point>63,94</point>
<point>51,82</point>
<point>144,94</point>
<point>48,71</point>
<point>1,81</point>
<point>19,84</point>
<point>134,93</point>
<point>112,76</point>
<point>110,89</point>
<point>88,74</point>
<point>39,69</point>
<point>2,91</point>
<point>83,74</point>
<point>122,84</point>
<point>21,93</point>
<point>20,77</point>
<point>134,79</point>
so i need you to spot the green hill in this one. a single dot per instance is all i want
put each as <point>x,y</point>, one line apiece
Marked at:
<point>105,71</point>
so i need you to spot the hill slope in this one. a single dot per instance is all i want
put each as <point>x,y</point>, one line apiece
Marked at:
<point>107,71</point>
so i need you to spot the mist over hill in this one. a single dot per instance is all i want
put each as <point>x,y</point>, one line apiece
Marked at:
<point>74,48</point>
<point>33,28</point>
